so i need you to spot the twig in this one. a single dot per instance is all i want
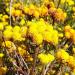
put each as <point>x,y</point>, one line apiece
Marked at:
<point>10,10</point>
<point>34,61</point>
<point>47,67</point>
<point>25,64</point>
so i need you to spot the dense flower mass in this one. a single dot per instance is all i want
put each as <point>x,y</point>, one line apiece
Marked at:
<point>37,37</point>
<point>40,30</point>
<point>46,58</point>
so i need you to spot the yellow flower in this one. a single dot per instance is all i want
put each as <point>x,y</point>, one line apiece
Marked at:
<point>5,23</point>
<point>41,27</point>
<point>44,10</point>
<point>51,57</point>
<point>23,31</point>
<point>21,51</point>
<point>8,9</point>
<point>60,35</point>
<point>7,34</point>
<point>62,55</point>
<point>50,37</point>
<point>37,38</point>
<point>52,4</point>
<point>66,46</point>
<point>7,44</point>
<point>16,29</point>
<point>45,58</point>
<point>22,22</point>
<point>63,1</point>
<point>26,9</point>
<point>73,71</point>
<point>70,2</point>
<point>13,11</point>
<point>18,12</point>
<point>17,5</point>
<point>67,35</point>
<point>5,16</point>
<point>73,9</point>
<point>73,50</point>
<point>58,15</point>
<point>3,70</point>
<point>49,28</point>
<point>55,37</point>
<point>47,36</point>
<point>1,55</point>
<point>17,36</point>
<point>71,61</point>
<point>36,14</point>
<point>9,27</point>
<point>66,73</point>
<point>67,28</point>
<point>32,29</point>
<point>1,26</point>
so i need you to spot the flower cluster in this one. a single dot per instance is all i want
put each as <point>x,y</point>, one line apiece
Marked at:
<point>15,33</point>
<point>46,58</point>
<point>63,56</point>
<point>69,33</point>
<point>40,30</point>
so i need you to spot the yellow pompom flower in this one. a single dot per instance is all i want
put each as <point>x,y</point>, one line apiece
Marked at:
<point>62,55</point>
<point>5,16</point>
<point>1,26</point>
<point>73,71</point>
<point>21,51</point>
<point>18,12</point>
<point>3,70</point>
<point>55,37</point>
<point>22,22</point>
<point>16,29</point>
<point>45,58</point>
<point>5,23</point>
<point>32,29</point>
<point>58,15</point>
<point>7,34</point>
<point>8,9</point>
<point>47,36</point>
<point>67,28</point>
<point>71,61</point>
<point>17,5</point>
<point>66,46</point>
<point>51,57</point>
<point>37,38</point>
<point>1,55</point>
<point>44,10</point>
<point>9,27</point>
<point>66,73</point>
<point>26,9</point>
<point>67,35</point>
<point>23,31</point>
<point>36,14</point>
<point>63,1</point>
<point>73,9</point>
<point>13,11</point>
<point>41,27</point>
<point>70,2</point>
<point>7,44</point>
<point>73,50</point>
<point>17,36</point>
<point>60,35</point>
<point>49,28</point>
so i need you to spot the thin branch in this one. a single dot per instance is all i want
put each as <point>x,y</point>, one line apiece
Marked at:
<point>10,10</point>
<point>47,67</point>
